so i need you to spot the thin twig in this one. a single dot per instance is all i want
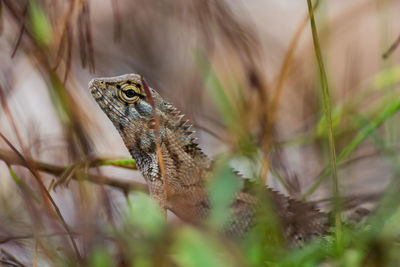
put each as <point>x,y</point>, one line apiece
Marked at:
<point>10,259</point>
<point>126,186</point>
<point>21,31</point>
<point>392,48</point>
<point>286,66</point>
<point>46,192</point>
<point>278,90</point>
<point>7,239</point>
<point>9,263</point>
<point>88,37</point>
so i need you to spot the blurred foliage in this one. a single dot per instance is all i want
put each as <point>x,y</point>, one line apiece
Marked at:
<point>222,188</point>
<point>40,23</point>
<point>222,52</point>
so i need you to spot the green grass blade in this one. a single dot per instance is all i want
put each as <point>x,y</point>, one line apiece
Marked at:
<point>365,132</point>
<point>326,100</point>
<point>23,185</point>
<point>222,102</point>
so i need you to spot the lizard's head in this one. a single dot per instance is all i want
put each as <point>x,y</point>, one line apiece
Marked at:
<point>123,99</point>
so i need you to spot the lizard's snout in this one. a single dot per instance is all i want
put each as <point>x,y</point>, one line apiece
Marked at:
<point>92,83</point>
<point>95,87</point>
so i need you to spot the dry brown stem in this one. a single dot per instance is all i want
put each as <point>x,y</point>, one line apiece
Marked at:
<point>12,159</point>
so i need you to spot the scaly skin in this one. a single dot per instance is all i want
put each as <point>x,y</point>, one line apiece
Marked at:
<point>177,181</point>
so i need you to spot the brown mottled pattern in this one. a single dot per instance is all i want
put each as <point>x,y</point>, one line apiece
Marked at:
<point>186,167</point>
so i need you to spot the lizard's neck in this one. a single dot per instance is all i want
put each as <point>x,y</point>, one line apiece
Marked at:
<point>180,153</point>
<point>186,167</point>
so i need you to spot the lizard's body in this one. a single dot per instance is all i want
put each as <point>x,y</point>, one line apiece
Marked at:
<point>176,170</point>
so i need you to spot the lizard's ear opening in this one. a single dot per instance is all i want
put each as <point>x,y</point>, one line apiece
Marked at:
<point>151,124</point>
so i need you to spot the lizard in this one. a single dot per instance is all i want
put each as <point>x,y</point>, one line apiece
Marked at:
<point>176,169</point>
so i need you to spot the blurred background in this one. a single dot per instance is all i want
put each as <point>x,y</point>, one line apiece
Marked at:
<point>260,54</point>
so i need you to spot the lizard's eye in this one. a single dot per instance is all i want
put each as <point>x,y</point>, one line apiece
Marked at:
<point>128,94</point>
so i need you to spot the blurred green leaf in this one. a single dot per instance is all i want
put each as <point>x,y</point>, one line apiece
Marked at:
<point>100,258</point>
<point>222,188</point>
<point>194,249</point>
<point>265,241</point>
<point>352,258</point>
<point>386,78</point>
<point>217,92</point>
<point>23,185</point>
<point>40,23</point>
<point>145,214</point>
<point>309,255</point>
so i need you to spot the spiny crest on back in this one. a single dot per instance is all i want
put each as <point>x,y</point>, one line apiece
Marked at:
<point>182,129</point>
